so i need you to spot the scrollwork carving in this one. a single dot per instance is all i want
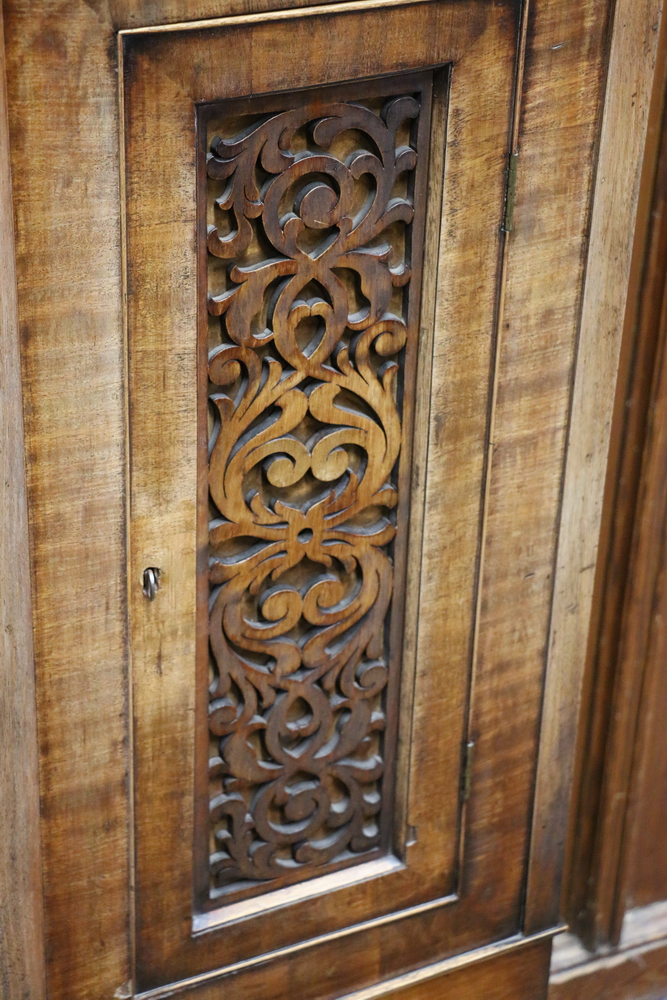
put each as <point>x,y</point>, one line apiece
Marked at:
<point>309,285</point>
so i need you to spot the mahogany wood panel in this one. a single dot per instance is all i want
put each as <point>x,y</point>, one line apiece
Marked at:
<point>507,970</point>
<point>646,865</point>
<point>21,928</point>
<point>539,319</point>
<point>643,649</point>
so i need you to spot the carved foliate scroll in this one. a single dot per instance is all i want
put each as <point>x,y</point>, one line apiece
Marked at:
<point>314,250</point>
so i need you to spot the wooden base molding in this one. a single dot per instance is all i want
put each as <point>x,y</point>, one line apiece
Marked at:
<point>503,968</point>
<point>636,971</point>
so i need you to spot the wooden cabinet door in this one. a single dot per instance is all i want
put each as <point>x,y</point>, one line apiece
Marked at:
<point>310,348</point>
<point>299,343</point>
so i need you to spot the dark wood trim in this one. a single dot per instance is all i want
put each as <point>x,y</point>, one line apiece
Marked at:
<point>21,936</point>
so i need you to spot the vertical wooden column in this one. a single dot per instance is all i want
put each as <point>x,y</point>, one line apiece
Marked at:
<point>632,61</point>
<point>620,671</point>
<point>21,937</point>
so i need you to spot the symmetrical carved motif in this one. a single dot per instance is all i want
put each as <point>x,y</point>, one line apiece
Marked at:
<point>310,277</point>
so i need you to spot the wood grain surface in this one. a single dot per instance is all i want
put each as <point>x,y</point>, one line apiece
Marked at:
<point>506,977</point>
<point>644,878</point>
<point>163,74</point>
<point>65,169</point>
<point>536,356</point>
<point>513,384</point>
<point>637,975</point>
<point>505,970</point>
<point>632,58</point>
<point>21,928</point>
<point>613,681</point>
<point>631,838</point>
<point>634,970</point>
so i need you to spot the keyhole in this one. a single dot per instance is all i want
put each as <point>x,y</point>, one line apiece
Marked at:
<point>151,582</point>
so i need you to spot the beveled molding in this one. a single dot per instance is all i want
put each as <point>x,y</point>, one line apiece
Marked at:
<point>270,15</point>
<point>301,946</point>
<point>626,103</point>
<point>498,949</point>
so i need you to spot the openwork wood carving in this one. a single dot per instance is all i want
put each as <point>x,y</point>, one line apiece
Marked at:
<point>313,275</point>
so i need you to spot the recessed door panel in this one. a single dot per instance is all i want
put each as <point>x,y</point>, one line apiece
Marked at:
<point>313,216</point>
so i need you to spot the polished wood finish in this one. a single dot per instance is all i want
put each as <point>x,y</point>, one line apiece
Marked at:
<point>618,883</point>
<point>505,970</point>
<point>501,973</point>
<point>615,738</point>
<point>435,876</point>
<point>538,321</point>
<point>70,316</point>
<point>642,773</point>
<point>641,662</point>
<point>21,927</point>
<point>637,974</point>
<point>504,978</point>
<point>645,880</point>
<point>628,98</point>
<point>499,338</point>
<point>636,970</point>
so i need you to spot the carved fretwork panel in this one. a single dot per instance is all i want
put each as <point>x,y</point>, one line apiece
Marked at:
<point>315,215</point>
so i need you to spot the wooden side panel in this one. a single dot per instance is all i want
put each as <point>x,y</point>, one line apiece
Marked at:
<point>66,168</point>
<point>64,144</point>
<point>21,929</point>
<point>536,352</point>
<point>613,682</point>
<point>536,355</point>
<point>632,830</point>
<point>628,97</point>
